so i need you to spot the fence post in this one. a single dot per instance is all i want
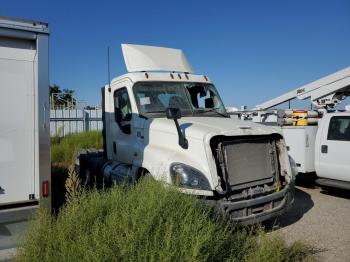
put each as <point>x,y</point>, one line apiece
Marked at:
<point>86,120</point>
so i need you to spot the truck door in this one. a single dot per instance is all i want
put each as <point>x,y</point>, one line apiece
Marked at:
<point>122,132</point>
<point>333,149</point>
<point>16,120</point>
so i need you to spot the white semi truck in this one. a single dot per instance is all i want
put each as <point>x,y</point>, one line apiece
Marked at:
<point>318,140</point>
<point>24,126</point>
<point>162,120</point>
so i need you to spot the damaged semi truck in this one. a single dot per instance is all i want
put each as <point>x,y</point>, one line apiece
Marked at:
<point>162,120</point>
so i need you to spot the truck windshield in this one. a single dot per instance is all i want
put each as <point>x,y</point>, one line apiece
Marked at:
<point>153,98</point>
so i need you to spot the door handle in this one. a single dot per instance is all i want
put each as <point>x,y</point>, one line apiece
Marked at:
<point>324,149</point>
<point>2,190</point>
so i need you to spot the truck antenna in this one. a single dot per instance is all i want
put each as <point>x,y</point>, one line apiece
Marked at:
<point>108,66</point>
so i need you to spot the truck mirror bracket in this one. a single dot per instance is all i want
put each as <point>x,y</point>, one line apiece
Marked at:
<point>182,140</point>
<point>175,114</point>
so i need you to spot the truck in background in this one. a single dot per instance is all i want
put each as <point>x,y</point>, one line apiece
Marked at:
<point>24,125</point>
<point>162,120</point>
<point>318,140</point>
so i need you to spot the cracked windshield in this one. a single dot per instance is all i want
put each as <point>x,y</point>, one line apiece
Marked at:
<point>192,98</point>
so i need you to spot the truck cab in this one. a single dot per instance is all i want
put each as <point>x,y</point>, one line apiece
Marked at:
<point>332,146</point>
<point>164,121</point>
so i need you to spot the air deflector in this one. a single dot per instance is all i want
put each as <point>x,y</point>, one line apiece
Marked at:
<point>152,58</point>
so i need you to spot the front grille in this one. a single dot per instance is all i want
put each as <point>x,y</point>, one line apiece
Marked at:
<point>248,162</point>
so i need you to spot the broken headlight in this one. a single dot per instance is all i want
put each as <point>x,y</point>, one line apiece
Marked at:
<point>188,177</point>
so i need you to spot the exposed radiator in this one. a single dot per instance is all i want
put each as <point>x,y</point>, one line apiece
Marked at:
<point>248,162</point>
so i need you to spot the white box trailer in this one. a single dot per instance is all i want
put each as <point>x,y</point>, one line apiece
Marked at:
<point>24,125</point>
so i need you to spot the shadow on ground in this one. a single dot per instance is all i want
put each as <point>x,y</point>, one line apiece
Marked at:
<point>336,192</point>
<point>302,204</point>
<point>308,181</point>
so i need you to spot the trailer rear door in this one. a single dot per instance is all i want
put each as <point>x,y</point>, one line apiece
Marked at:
<point>17,111</point>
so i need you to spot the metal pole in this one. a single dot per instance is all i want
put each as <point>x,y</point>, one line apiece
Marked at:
<point>70,126</point>
<point>109,72</point>
<point>55,123</point>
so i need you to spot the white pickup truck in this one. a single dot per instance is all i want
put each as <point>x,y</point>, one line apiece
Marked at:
<point>162,120</point>
<point>332,160</point>
<point>318,140</point>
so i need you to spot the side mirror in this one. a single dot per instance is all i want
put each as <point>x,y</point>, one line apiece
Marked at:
<point>209,102</point>
<point>173,113</point>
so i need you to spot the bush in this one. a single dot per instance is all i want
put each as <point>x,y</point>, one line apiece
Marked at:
<point>64,149</point>
<point>147,222</point>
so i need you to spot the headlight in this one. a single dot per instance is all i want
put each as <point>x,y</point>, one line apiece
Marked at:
<point>188,177</point>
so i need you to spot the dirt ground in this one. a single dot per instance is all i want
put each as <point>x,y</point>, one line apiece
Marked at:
<point>321,217</point>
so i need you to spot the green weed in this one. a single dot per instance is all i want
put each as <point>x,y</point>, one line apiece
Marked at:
<point>147,222</point>
<point>64,149</point>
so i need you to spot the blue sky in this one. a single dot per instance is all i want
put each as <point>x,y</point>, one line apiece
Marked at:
<point>252,50</point>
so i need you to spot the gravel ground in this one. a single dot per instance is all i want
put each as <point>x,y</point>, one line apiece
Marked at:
<point>321,217</point>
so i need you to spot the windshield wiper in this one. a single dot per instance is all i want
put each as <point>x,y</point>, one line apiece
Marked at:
<point>155,112</point>
<point>215,110</point>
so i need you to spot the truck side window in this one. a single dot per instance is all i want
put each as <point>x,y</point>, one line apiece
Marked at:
<point>122,107</point>
<point>339,128</point>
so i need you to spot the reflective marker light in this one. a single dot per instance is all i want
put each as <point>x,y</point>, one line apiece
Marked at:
<point>45,188</point>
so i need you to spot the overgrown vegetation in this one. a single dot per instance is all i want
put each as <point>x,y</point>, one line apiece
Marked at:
<point>72,185</point>
<point>147,222</point>
<point>63,152</point>
<point>64,149</point>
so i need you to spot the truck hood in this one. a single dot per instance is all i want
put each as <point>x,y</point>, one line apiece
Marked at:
<point>200,127</point>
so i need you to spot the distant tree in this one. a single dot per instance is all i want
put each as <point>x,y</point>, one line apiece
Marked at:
<point>55,89</point>
<point>59,98</point>
<point>68,95</point>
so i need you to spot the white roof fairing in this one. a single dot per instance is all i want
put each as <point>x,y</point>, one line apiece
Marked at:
<point>151,58</point>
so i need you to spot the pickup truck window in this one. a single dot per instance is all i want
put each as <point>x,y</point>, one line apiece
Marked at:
<point>339,128</point>
<point>153,98</point>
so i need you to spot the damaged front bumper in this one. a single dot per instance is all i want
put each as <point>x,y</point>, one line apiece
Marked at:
<point>256,210</point>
